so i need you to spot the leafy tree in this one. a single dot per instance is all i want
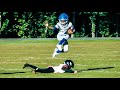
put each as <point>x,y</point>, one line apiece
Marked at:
<point>4,23</point>
<point>31,24</point>
<point>104,28</point>
<point>92,17</point>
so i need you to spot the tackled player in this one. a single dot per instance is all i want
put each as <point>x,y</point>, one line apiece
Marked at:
<point>66,67</point>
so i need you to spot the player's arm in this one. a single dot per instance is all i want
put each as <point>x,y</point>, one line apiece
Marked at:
<point>55,28</point>
<point>71,29</point>
<point>70,71</point>
<point>47,25</point>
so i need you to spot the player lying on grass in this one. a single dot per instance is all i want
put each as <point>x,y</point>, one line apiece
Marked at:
<point>66,67</point>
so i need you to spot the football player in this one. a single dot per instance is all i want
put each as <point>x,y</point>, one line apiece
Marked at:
<point>62,28</point>
<point>66,67</point>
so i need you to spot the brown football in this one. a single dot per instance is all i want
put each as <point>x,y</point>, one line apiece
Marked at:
<point>65,67</point>
<point>69,31</point>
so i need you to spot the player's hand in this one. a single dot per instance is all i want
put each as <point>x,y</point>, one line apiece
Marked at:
<point>75,71</point>
<point>46,24</point>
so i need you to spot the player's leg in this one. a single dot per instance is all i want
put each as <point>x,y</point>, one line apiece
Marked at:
<point>62,39</point>
<point>65,47</point>
<point>60,44</point>
<point>36,69</point>
<point>55,52</point>
<point>58,48</point>
<point>29,65</point>
<point>45,70</point>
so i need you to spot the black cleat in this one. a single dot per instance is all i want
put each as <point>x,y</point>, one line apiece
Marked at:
<point>25,65</point>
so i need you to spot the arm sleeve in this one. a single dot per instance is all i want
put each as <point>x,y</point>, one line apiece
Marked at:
<point>55,30</point>
<point>69,71</point>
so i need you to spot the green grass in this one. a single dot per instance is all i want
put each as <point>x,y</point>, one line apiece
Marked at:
<point>86,53</point>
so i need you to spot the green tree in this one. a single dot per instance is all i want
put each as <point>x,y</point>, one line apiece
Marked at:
<point>31,24</point>
<point>4,23</point>
<point>92,17</point>
<point>104,28</point>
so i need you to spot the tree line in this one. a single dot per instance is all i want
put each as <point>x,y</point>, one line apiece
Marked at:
<point>31,24</point>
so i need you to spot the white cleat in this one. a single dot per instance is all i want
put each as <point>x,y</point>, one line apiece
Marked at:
<point>55,53</point>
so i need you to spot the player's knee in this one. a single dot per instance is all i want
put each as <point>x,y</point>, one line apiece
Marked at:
<point>65,50</point>
<point>59,47</point>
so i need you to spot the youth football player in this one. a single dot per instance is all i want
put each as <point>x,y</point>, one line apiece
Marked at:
<point>66,67</point>
<point>62,28</point>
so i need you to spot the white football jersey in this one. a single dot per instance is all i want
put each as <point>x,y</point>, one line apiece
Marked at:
<point>63,28</point>
<point>58,69</point>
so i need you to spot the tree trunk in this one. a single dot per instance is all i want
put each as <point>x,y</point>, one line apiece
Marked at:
<point>92,18</point>
<point>0,19</point>
<point>102,35</point>
<point>93,29</point>
<point>0,24</point>
<point>93,35</point>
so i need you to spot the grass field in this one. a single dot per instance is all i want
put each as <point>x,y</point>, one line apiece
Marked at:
<point>92,56</point>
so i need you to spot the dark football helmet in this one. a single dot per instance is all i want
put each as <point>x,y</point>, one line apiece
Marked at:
<point>70,63</point>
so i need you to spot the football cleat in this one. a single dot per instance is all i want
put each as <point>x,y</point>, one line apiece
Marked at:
<point>25,65</point>
<point>55,52</point>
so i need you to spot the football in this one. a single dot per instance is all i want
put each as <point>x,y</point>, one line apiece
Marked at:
<point>65,67</point>
<point>70,31</point>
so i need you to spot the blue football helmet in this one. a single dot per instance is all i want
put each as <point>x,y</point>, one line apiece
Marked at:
<point>63,18</point>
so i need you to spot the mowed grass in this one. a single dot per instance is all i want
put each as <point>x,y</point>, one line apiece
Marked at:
<point>87,54</point>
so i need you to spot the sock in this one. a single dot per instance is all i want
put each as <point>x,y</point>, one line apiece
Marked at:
<point>58,51</point>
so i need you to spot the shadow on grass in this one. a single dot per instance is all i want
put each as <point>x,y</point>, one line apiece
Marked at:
<point>78,70</point>
<point>12,72</point>
<point>95,69</point>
